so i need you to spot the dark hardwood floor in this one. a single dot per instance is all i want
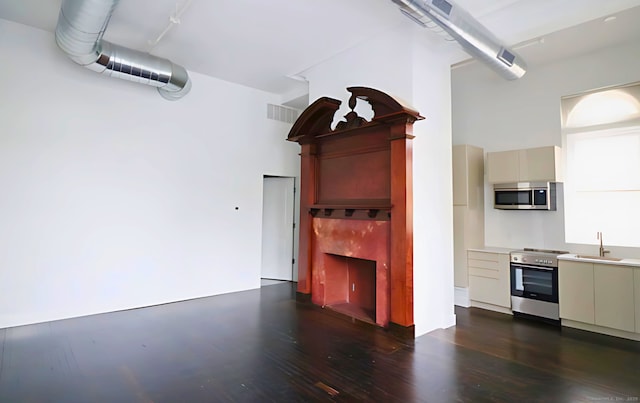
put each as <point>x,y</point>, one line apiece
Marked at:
<point>261,346</point>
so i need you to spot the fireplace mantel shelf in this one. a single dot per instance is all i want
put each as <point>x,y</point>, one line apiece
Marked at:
<point>351,209</point>
<point>351,206</point>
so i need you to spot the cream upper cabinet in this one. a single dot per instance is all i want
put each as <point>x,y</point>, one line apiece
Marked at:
<point>576,291</point>
<point>540,164</point>
<point>637,298</point>
<point>503,167</point>
<point>468,175</point>
<point>614,302</point>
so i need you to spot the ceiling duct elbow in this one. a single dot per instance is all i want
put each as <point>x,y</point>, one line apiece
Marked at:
<point>79,32</point>
<point>474,38</point>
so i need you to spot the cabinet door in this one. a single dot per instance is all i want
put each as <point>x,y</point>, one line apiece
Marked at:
<point>637,298</point>
<point>538,164</point>
<point>503,167</point>
<point>460,272</point>
<point>460,176</point>
<point>614,297</point>
<point>475,179</point>
<point>575,282</point>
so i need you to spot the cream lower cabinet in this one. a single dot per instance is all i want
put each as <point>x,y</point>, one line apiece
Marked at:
<point>576,291</point>
<point>614,297</point>
<point>489,278</point>
<point>599,294</point>
<point>636,276</point>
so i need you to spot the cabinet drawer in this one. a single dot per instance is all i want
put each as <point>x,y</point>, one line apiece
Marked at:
<point>484,289</point>
<point>484,272</point>
<point>487,256</point>
<point>483,264</point>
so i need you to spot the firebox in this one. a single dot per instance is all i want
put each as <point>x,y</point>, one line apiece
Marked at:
<point>351,286</point>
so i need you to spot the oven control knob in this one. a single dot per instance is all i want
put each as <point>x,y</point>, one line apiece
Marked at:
<point>515,258</point>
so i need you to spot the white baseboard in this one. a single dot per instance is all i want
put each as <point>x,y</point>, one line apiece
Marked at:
<point>461,297</point>
<point>491,307</point>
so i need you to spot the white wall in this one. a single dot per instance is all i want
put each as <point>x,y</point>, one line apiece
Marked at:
<point>417,71</point>
<point>432,191</point>
<point>383,63</point>
<point>114,198</point>
<point>501,115</point>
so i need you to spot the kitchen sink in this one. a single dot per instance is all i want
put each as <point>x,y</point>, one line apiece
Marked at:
<point>611,259</point>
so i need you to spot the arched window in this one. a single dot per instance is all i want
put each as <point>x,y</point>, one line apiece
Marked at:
<point>603,107</point>
<point>601,136</point>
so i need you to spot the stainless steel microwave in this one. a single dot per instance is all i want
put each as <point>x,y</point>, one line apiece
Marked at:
<point>525,196</point>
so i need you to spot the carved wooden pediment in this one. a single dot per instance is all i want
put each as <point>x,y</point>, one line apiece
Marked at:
<point>317,118</point>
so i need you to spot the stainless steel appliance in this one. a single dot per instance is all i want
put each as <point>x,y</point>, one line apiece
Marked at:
<point>525,196</point>
<point>534,282</point>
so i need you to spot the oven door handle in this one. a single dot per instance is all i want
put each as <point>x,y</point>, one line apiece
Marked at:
<point>525,266</point>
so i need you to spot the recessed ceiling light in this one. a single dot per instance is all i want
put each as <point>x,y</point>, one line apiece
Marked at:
<point>610,18</point>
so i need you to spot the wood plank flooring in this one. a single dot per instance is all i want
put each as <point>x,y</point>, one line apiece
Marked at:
<point>261,346</point>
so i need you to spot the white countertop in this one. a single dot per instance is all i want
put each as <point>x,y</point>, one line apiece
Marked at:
<point>624,262</point>
<point>493,249</point>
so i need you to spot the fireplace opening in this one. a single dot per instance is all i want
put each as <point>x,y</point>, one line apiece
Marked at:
<point>350,286</point>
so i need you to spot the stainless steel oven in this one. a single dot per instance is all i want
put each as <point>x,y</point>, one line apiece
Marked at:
<point>534,282</point>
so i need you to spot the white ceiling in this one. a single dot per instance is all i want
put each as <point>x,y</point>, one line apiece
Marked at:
<point>262,44</point>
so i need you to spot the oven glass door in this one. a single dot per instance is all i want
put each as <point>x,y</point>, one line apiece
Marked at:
<point>534,282</point>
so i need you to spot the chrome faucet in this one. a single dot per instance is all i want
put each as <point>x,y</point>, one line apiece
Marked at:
<point>602,249</point>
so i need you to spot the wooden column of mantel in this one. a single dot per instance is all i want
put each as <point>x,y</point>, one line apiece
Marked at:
<point>307,199</point>
<point>402,223</point>
<point>329,176</point>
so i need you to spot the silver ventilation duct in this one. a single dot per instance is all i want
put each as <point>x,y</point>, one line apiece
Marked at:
<point>467,31</point>
<point>79,32</point>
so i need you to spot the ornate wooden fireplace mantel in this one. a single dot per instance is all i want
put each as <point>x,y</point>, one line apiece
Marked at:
<point>356,209</point>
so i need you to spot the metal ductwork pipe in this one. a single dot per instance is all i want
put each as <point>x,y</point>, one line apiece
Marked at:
<point>468,32</point>
<point>79,32</point>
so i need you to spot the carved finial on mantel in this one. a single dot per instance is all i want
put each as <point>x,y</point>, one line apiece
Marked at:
<point>384,106</point>
<point>352,119</point>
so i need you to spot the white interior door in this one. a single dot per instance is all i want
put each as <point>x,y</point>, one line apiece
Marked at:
<point>277,228</point>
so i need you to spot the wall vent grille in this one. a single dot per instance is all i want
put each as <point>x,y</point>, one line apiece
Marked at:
<point>282,114</point>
